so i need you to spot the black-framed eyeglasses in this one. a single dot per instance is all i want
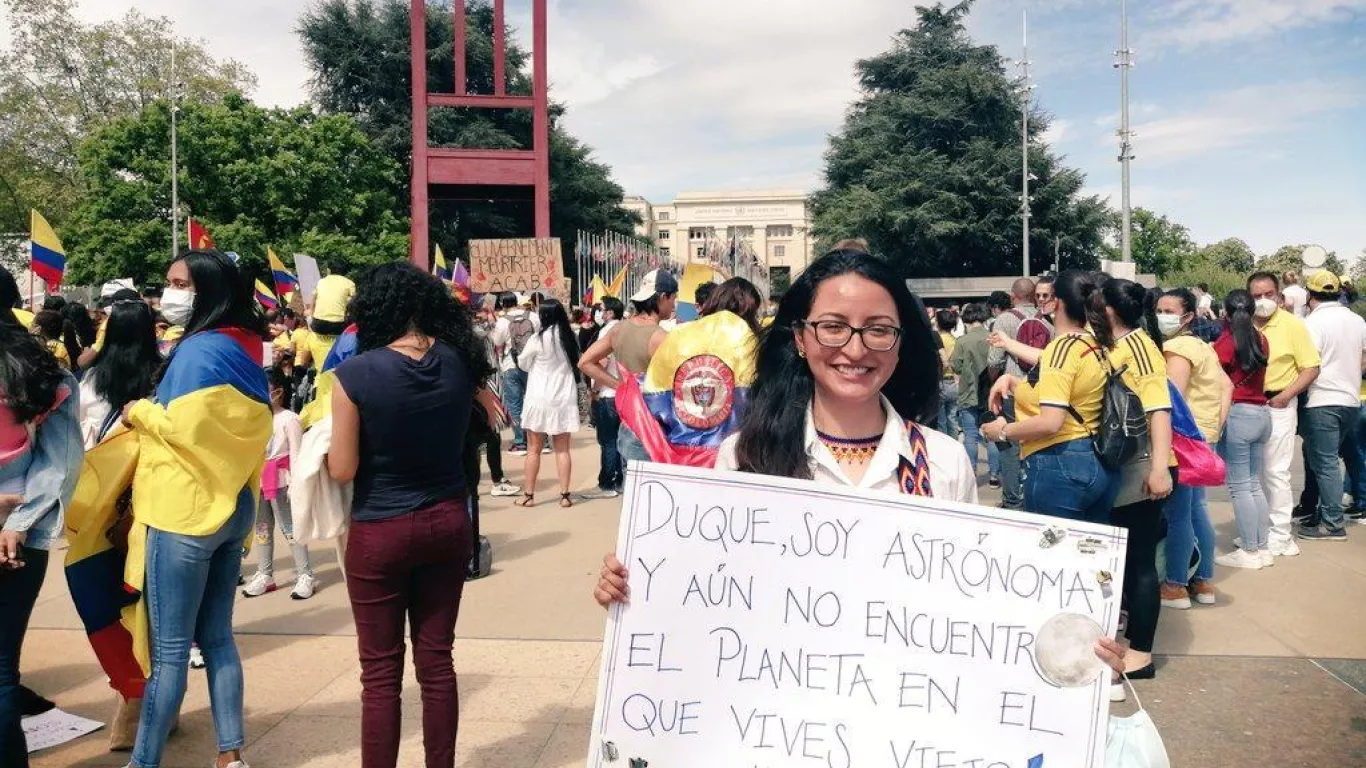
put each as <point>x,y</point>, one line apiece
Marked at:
<point>836,334</point>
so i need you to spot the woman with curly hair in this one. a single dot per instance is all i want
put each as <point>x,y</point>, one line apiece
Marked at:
<point>400,410</point>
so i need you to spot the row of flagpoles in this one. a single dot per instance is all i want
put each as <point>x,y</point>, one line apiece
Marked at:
<point>612,264</point>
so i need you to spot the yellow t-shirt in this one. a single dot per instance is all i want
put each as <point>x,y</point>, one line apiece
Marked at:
<point>1071,372</point>
<point>1205,391</point>
<point>1146,371</point>
<point>947,351</point>
<point>25,318</point>
<point>1292,350</point>
<point>58,350</point>
<point>318,346</point>
<point>331,298</point>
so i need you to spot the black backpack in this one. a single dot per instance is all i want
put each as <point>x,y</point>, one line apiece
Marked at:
<point>1123,431</point>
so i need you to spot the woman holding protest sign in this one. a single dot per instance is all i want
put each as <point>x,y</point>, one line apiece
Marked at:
<point>844,375</point>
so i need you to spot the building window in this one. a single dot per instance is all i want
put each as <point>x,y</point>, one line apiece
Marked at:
<point>701,233</point>
<point>779,230</point>
<point>701,251</point>
<point>663,234</point>
<point>741,232</point>
<point>664,253</point>
<point>663,215</point>
<point>780,252</point>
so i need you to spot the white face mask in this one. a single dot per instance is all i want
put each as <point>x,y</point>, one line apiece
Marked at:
<point>177,304</point>
<point>1169,325</point>
<point>600,317</point>
<point>1264,307</point>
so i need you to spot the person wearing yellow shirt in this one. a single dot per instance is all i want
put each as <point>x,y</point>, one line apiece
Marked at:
<point>1292,366</point>
<point>1194,369</point>
<point>330,301</point>
<point>945,321</point>
<point>1058,411</point>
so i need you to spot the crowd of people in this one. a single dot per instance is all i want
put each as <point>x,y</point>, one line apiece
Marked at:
<point>215,407</point>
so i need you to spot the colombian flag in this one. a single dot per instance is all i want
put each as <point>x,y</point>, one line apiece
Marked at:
<point>201,447</point>
<point>47,257</point>
<point>694,392</point>
<point>265,297</point>
<point>285,281</point>
<point>97,523</point>
<point>198,235</point>
<point>345,348</point>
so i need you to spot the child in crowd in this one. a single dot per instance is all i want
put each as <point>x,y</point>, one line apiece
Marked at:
<point>284,443</point>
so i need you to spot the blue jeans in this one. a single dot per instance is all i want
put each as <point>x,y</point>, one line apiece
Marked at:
<point>1188,526</point>
<point>630,447</point>
<point>948,407</point>
<point>1326,429</point>
<point>1012,476</point>
<point>607,422</point>
<point>191,583</point>
<point>18,592</point>
<point>1243,447</point>
<point>514,392</point>
<point>1067,480</point>
<point>1354,457</point>
<point>970,419</point>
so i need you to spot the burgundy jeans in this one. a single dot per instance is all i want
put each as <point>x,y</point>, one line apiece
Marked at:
<point>409,566</point>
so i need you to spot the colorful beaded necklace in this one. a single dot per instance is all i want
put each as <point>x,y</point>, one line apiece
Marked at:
<point>855,450</point>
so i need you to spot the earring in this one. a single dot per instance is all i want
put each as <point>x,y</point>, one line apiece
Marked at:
<point>801,353</point>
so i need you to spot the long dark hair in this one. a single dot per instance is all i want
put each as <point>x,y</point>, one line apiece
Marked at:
<point>772,429</point>
<point>395,298</point>
<point>9,298</point>
<point>736,295</point>
<point>553,317</point>
<point>223,297</point>
<point>1080,297</point>
<point>1247,340</point>
<point>81,333</point>
<point>1134,305</point>
<point>126,366</point>
<point>29,374</point>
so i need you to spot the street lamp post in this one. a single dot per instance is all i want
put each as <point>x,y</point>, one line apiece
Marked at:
<point>175,170</point>
<point>1124,62</point>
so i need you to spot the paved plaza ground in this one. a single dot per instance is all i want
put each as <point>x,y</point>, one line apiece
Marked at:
<point>1274,675</point>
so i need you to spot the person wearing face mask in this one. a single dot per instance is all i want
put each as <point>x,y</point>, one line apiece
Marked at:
<point>201,446</point>
<point>1330,414</point>
<point>1193,367</point>
<point>1292,366</point>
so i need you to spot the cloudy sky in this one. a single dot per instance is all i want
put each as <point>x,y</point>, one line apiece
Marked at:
<point>1245,110</point>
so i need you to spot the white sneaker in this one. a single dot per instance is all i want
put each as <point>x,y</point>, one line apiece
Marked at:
<point>1268,559</point>
<point>1286,548</point>
<point>518,451</point>
<point>196,658</point>
<point>258,585</point>
<point>304,587</point>
<point>505,489</point>
<point>1240,558</point>
<point>235,764</point>
<point>545,450</point>
<point>1117,692</point>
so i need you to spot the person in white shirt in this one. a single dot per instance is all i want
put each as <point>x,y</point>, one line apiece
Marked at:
<point>285,439</point>
<point>1294,296</point>
<point>122,372</point>
<point>515,326</point>
<point>862,359</point>
<point>1204,303</point>
<point>1331,414</point>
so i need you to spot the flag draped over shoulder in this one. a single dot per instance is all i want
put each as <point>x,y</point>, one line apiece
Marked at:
<point>202,445</point>
<point>47,257</point>
<point>694,392</point>
<point>98,520</point>
<point>285,281</point>
<point>345,348</point>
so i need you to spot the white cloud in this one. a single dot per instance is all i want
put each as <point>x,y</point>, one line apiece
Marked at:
<point>1057,131</point>
<point>1192,23</point>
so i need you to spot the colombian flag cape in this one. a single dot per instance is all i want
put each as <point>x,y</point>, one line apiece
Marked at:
<point>97,524</point>
<point>343,349</point>
<point>691,397</point>
<point>201,447</point>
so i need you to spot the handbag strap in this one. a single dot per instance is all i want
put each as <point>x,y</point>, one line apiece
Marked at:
<point>1130,685</point>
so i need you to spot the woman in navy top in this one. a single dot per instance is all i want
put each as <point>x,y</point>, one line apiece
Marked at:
<point>399,414</point>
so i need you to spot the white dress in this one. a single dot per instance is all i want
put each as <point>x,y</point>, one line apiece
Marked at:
<point>551,405</point>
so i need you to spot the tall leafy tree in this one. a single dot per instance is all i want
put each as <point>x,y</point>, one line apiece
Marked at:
<point>1157,244</point>
<point>1291,258</point>
<point>1231,254</point>
<point>927,165</point>
<point>359,53</point>
<point>62,79</point>
<point>291,179</point>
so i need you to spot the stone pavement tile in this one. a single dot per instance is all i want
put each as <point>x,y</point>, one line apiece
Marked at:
<point>1221,711</point>
<point>567,748</point>
<point>1350,671</point>
<point>1225,629</point>
<point>580,710</point>
<point>517,699</point>
<point>524,658</point>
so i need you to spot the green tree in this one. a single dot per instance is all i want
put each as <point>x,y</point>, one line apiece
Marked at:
<point>62,79</point>
<point>1358,269</point>
<point>1289,258</point>
<point>927,164</point>
<point>1230,254</point>
<point>359,53</point>
<point>1158,245</point>
<point>290,179</point>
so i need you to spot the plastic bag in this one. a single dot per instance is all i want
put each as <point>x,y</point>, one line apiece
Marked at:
<point>1133,742</point>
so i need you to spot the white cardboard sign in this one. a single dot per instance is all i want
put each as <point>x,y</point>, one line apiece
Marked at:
<point>777,622</point>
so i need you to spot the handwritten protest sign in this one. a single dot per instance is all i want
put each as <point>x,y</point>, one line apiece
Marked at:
<point>776,622</point>
<point>517,265</point>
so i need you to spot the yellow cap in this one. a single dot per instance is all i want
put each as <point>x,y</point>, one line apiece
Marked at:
<point>1323,281</point>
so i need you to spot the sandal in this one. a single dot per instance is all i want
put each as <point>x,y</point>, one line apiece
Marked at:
<point>565,501</point>
<point>527,500</point>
